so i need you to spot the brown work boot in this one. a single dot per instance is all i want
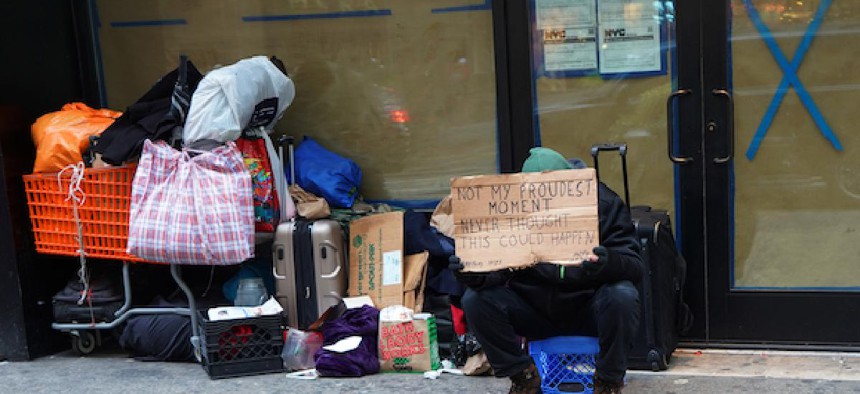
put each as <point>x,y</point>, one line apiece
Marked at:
<point>604,387</point>
<point>526,382</point>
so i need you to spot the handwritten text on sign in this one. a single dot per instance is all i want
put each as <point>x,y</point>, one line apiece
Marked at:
<point>516,220</point>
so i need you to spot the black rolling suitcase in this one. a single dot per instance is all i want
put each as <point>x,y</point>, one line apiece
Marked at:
<point>664,314</point>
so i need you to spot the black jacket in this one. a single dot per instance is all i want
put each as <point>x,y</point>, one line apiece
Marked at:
<point>542,285</point>
<point>150,117</point>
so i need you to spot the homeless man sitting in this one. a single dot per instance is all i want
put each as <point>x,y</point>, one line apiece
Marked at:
<point>597,298</point>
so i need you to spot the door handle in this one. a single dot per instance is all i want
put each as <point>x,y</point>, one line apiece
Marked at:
<point>670,113</point>
<point>730,125</point>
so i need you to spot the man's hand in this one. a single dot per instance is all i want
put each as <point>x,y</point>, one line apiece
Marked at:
<point>475,280</point>
<point>594,264</point>
<point>470,279</point>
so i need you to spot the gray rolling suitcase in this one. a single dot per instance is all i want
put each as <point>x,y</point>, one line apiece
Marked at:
<point>310,266</point>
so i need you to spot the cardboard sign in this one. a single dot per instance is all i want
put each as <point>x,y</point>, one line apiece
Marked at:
<point>410,346</point>
<point>376,258</point>
<point>516,220</point>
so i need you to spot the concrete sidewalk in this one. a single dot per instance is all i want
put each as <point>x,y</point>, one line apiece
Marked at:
<point>692,371</point>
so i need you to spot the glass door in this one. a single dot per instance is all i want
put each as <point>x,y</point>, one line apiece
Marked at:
<point>602,71</point>
<point>782,173</point>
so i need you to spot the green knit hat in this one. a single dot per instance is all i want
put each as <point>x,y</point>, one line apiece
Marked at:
<point>545,159</point>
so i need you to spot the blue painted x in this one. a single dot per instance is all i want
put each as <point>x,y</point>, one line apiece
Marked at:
<point>789,77</point>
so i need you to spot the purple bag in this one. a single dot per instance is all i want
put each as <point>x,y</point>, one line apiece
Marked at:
<point>363,360</point>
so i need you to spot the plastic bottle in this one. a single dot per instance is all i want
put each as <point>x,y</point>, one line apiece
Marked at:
<point>251,292</point>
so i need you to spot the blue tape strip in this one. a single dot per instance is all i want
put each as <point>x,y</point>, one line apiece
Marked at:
<point>330,15</point>
<point>487,5</point>
<point>789,77</point>
<point>157,22</point>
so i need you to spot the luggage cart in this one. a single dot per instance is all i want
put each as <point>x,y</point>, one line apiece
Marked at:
<point>90,219</point>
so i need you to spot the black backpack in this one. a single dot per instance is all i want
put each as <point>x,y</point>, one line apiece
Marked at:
<point>104,298</point>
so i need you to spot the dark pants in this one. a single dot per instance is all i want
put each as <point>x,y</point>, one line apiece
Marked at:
<point>497,315</point>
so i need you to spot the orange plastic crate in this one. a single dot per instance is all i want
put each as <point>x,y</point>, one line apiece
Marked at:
<point>103,214</point>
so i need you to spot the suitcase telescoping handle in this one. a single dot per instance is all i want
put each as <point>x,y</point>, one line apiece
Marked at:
<point>290,141</point>
<point>622,151</point>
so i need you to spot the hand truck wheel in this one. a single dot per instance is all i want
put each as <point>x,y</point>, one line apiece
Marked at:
<point>83,342</point>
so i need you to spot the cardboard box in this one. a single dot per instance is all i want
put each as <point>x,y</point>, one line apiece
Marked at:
<point>516,220</point>
<point>415,271</point>
<point>376,258</point>
<point>369,236</point>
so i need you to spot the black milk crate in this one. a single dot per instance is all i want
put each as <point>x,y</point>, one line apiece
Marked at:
<point>240,347</point>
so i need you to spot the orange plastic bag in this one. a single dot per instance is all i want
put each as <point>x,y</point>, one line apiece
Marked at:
<point>61,137</point>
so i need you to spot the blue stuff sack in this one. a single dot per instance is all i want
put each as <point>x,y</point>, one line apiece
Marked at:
<point>327,174</point>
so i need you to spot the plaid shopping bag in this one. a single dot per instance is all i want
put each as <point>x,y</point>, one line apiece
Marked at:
<point>191,210</point>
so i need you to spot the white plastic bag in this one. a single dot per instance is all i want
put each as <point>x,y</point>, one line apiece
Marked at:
<point>251,93</point>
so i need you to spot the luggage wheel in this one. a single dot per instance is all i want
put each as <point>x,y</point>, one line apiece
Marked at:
<point>83,342</point>
<point>658,361</point>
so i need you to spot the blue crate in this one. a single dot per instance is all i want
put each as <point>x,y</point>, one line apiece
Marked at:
<point>565,364</point>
